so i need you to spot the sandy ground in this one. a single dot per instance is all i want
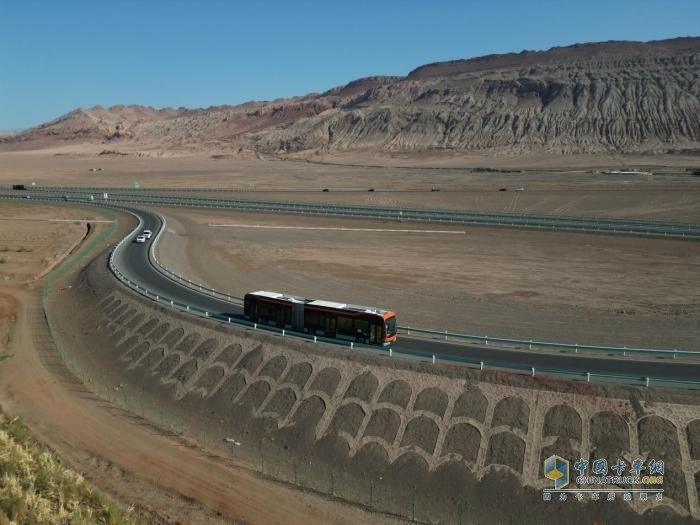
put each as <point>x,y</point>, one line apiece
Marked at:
<point>34,237</point>
<point>457,159</point>
<point>67,166</point>
<point>165,478</point>
<point>109,443</point>
<point>577,288</point>
<point>672,192</point>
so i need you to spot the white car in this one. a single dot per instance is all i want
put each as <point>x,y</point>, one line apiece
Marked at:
<point>140,238</point>
<point>147,233</point>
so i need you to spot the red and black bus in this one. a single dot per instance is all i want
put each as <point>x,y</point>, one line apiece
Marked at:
<point>361,324</point>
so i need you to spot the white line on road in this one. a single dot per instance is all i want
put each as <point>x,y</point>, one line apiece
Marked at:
<point>339,229</point>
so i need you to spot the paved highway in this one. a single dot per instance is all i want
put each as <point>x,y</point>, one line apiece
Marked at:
<point>608,226</point>
<point>134,262</point>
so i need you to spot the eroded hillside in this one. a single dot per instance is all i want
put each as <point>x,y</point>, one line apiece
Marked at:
<point>614,96</point>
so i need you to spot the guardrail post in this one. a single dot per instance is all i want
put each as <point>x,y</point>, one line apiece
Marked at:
<point>674,352</point>
<point>352,345</point>
<point>206,314</point>
<point>481,367</point>
<point>530,346</point>
<point>390,352</point>
<point>255,326</point>
<point>408,330</point>
<point>282,332</point>
<point>188,307</point>
<point>433,358</point>
<point>533,371</point>
<point>229,319</point>
<point>171,303</point>
<point>588,377</point>
<point>576,348</point>
<point>315,339</point>
<point>445,335</point>
<point>486,339</point>
<point>647,381</point>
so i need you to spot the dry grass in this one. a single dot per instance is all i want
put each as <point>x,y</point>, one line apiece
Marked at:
<point>36,488</point>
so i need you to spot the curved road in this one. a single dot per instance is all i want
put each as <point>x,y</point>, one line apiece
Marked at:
<point>134,262</point>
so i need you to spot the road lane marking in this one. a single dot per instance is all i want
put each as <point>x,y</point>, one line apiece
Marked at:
<point>338,229</point>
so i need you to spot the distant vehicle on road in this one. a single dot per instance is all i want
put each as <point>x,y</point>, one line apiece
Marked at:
<point>66,197</point>
<point>147,234</point>
<point>19,187</point>
<point>520,189</point>
<point>361,324</point>
<point>502,189</point>
<point>27,196</point>
<point>371,189</point>
<point>435,188</point>
<point>140,238</point>
<point>325,189</point>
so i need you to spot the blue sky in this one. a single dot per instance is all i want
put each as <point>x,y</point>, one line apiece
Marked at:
<point>56,56</point>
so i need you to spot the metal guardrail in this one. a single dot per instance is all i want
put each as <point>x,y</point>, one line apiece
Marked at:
<point>184,281</point>
<point>687,231</point>
<point>426,331</point>
<point>398,352</point>
<point>624,350</point>
<point>431,357</point>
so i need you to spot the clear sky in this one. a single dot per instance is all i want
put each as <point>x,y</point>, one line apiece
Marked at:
<point>56,56</point>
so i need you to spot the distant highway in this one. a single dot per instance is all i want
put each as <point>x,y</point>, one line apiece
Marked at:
<point>540,222</point>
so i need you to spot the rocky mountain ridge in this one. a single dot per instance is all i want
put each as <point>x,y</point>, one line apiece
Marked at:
<point>586,98</point>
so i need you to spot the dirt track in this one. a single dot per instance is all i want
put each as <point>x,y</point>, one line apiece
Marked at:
<point>163,477</point>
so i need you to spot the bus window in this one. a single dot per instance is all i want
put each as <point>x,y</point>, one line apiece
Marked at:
<point>344,327</point>
<point>329,325</point>
<point>310,321</point>
<point>287,313</point>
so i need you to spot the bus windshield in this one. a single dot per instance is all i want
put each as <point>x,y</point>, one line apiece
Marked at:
<point>391,326</point>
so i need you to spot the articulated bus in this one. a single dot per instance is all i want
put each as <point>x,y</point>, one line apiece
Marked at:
<point>362,324</point>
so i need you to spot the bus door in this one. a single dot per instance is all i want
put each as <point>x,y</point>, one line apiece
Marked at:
<point>361,330</point>
<point>375,334</point>
<point>329,325</point>
<point>344,328</point>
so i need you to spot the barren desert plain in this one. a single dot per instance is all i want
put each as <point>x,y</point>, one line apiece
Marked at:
<point>562,286</point>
